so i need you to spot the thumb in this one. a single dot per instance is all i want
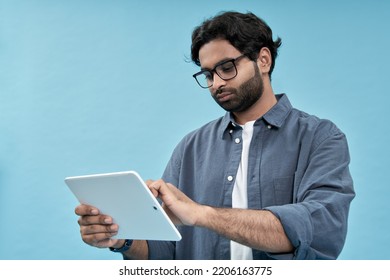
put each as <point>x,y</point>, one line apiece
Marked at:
<point>163,191</point>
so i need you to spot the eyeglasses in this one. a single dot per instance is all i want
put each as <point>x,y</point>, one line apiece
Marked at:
<point>226,70</point>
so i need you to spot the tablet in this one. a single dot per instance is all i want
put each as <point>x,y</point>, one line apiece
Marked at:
<point>125,197</point>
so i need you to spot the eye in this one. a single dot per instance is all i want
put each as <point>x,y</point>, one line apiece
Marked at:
<point>227,67</point>
<point>208,76</point>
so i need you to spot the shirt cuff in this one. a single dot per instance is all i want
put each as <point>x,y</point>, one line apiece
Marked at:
<point>296,222</point>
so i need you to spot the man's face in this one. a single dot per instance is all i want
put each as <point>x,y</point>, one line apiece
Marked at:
<point>239,93</point>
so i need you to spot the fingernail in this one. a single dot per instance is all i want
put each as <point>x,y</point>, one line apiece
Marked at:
<point>107,220</point>
<point>114,228</point>
<point>94,212</point>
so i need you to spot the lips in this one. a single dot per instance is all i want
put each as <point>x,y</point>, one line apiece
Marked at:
<point>223,96</point>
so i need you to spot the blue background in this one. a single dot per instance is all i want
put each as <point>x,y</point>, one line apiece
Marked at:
<point>103,86</point>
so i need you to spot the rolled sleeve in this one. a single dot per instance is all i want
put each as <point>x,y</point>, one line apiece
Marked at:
<point>297,225</point>
<point>316,224</point>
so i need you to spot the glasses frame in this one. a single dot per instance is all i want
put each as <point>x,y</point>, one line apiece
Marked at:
<point>214,70</point>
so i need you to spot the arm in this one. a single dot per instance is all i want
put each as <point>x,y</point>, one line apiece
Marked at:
<point>255,228</point>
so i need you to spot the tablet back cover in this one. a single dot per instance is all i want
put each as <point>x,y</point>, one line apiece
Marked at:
<point>125,197</point>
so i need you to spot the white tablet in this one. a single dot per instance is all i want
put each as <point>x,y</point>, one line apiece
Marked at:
<point>125,197</point>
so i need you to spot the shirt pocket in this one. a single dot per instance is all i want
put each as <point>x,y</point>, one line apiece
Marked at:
<point>278,191</point>
<point>284,190</point>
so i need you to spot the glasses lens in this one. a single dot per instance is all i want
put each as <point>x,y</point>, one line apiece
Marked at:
<point>226,70</point>
<point>204,79</point>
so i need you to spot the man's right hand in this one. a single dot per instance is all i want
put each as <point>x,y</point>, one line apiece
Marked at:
<point>96,229</point>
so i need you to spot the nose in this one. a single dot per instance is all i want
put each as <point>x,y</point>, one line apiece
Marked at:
<point>217,82</point>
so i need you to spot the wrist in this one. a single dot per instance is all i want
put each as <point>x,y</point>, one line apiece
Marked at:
<point>124,247</point>
<point>204,216</point>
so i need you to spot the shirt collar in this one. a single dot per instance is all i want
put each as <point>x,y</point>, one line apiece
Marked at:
<point>278,113</point>
<point>275,116</point>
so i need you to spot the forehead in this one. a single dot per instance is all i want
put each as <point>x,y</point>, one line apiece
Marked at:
<point>215,51</point>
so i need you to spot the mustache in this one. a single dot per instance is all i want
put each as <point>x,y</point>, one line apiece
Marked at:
<point>221,90</point>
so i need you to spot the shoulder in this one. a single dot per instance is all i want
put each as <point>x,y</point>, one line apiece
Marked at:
<point>313,127</point>
<point>209,130</point>
<point>312,121</point>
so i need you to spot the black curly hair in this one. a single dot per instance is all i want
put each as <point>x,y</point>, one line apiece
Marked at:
<point>246,32</point>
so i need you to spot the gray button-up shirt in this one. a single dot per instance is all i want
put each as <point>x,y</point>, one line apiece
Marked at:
<point>297,169</point>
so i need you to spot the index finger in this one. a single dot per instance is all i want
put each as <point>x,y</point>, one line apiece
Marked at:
<point>83,210</point>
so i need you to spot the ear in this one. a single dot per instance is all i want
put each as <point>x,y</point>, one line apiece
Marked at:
<point>264,60</point>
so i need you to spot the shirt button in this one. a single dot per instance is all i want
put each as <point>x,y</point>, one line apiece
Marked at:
<point>237,140</point>
<point>269,126</point>
<point>230,178</point>
<point>231,131</point>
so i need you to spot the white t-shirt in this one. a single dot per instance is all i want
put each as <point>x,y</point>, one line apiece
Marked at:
<point>240,196</point>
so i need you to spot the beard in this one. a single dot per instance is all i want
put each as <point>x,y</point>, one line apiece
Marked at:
<point>243,97</point>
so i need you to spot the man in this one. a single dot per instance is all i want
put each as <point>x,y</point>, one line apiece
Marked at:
<point>266,181</point>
